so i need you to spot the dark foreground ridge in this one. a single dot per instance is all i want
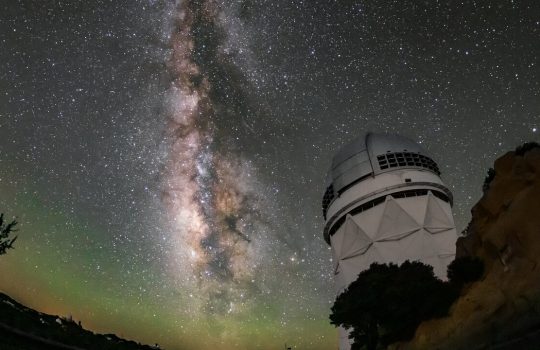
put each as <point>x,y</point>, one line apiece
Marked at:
<point>22,328</point>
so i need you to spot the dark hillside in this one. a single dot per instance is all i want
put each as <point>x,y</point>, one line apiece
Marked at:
<point>22,328</point>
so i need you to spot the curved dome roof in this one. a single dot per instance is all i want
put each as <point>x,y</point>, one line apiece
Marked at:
<point>372,154</point>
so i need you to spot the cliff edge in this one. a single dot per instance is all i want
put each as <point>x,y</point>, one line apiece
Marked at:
<point>502,310</point>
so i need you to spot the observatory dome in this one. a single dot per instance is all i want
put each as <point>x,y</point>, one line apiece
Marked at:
<point>369,155</point>
<point>385,202</point>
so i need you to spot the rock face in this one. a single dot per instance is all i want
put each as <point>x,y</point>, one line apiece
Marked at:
<point>503,309</point>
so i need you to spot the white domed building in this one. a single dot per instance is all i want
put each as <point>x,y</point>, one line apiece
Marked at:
<point>385,202</point>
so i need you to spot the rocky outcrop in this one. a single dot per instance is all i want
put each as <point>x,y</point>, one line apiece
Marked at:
<point>504,306</point>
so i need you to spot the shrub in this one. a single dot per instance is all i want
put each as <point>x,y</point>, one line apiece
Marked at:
<point>6,229</point>
<point>489,177</point>
<point>526,147</point>
<point>465,270</point>
<point>387,302</point>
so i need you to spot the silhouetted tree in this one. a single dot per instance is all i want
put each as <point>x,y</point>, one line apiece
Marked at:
<point>387,302</point>
<point>464,270</point>
<point>5,231</point>
<point>487,180</point>
<point>526,147</point>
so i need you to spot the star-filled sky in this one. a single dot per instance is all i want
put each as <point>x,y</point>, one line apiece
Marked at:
<point>166,159</point>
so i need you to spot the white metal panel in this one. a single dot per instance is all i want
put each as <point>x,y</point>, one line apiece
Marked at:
<point>414,206</point>
<point>445,241</point>
<point>336,241</point>
<point>392,251</point>
<point>356,241</point>
<point>369,220</point>
<point>395,221</point>
<point>436,218</point>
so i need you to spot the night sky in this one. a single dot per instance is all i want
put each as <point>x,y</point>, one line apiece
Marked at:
<point>167,161</point>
